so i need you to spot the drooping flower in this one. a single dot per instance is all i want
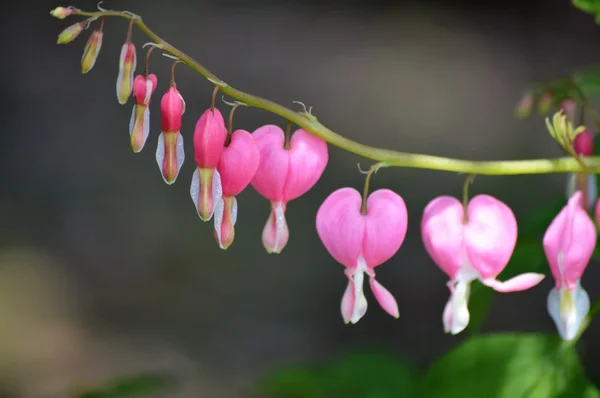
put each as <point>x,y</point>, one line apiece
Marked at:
<point>209,139</point>
<point>239,161</point>
<point>92,49</point>
<point>569,243</point>
<point>477,245</point>
<point>139,124</point>
<point>361,242</point>
<point>285,174</point>
<point>169,152</point>
<point>127,65</point>
<point>583,145</point>
<point>71,33</point>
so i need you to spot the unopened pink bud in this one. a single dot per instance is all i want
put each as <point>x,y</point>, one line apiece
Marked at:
<point>285,174</point>
<point>139,125</point>
<point>524,106</point>
<point>70,33</point>
<point>61,12</point>
<point>239,161</point>
<point>584,143</point>
<point>569,108</point>
<point>91,51</point>
<point>210,134</point>
<point>127,65</point>
<point>362,242</point>
<point>169,152</point>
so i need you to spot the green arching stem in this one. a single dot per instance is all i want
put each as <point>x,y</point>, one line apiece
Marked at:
<point>365,196</point>
<point>388,157</point>
<point>468,181</point>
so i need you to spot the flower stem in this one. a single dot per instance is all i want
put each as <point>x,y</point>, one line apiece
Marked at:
<point>391,158</point>
<point>466,185</point>
<point>372,170</point>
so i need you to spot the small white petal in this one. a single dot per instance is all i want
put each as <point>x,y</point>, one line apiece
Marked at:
<point>568,310</point>
<point>195,189</point>
<point>132,120</point>
<point>160,153</point>
<point>180,154</point>
<point>218,219</point>
<point>234,211</point>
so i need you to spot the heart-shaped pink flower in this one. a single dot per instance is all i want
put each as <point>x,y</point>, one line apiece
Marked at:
<point>237,165</point>
<point>169,151</point>
<point>569,243</point>
<point>361,242</point>
<point>139,124</point>
<point>210,134</point>
<point>285,174</point>
<point>477,246</point>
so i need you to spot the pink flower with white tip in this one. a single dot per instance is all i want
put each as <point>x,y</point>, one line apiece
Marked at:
<point>127,65</point>
<point>361,242</point>
<point>285,174</point>
<point>569,243</point>
<point>169,151</point>
<point>139,124</point>
<point>477,246</point>
<point>239,161</point>
<point>210,134</point>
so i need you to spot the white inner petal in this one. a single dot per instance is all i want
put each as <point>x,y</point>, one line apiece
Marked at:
<point>568,309</point>
<point>146,127</point>
<point>218,219</point>
<point>279,223</point>
<point>234,211</point>
<point>148,91</point>
<point>160,153</point>
<point>360,301</point>
<point>217,188</point>
<point>132,120</point>
<point>180,152</point>
<point>195,189</point>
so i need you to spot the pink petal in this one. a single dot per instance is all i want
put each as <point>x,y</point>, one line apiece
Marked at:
<point>271,175</point>
<point>490,236</point>
<point>308,159</point>
<point>348,300</point>
<point>516,284</point>
<point>276,233</point>
<point>384,298</point>
<point>239,162</point>
<point>442,232</point>
<point>569,243</point>
<point>340,226</point>
<point>385,226</point>
<point>209,138</point>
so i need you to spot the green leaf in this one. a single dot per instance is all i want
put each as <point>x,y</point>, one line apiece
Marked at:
<point>588,80</point>
<point>589,6</point>
<point>479,303</point>
<point>294,382</point>
<point>508,366</point>
<point>141,385</point>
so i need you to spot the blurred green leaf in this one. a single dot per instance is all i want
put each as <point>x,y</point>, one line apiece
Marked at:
<point>534,226</point>
<point>141,385</point>
<point>589,80</point>
<point>508,366</point>
<point>359,375</point>
<point>589,6</point>
<point>479,304</point>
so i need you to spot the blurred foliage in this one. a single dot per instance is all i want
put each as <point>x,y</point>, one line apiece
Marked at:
<point>358,375</point>
<point>502,365</point>
<point>142,385</point>
<point>589,6</point>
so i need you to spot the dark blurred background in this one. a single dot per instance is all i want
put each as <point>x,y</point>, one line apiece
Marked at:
<point>105,270</point>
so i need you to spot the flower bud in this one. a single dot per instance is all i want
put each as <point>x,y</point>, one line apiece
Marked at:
<point>169,152</point>
<point>524,106</point>
<point>61,12</point>
<point>91,51</point>
<point>545,103</point>
<point>127,65</point>
<point>139,125</point>
<point>569,107</point>
<point>583,144</point>
<point>70,33</point>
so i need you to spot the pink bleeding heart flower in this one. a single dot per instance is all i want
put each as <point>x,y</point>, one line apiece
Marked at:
<point>285,174</point>
<point>210,134</point>
<point>239,161</point>
<point>569,243</point>
<point>476,247</point>
<point>583,145</point>
<point>139,124</point>
<point>169,152</point>
<point>127,65</point>
<point>92,49</point>
<point>361,242</point>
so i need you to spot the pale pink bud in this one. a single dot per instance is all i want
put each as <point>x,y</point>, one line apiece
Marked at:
<point>584,143</point>
<point>524,106</point>
<point>285,174</point>
<point>91,51</point>
<point>210,134</point>
<point>478,249</point>
<point>569,243</point>
<point>569,108</point>
<point>361,242</point>
<point>545,103</point>
<point>62,12</point>
<point>127,65</point>
<point>239,161</point>
<point>71,33</point>
<point>169,152</point>
<point>139,124</point>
